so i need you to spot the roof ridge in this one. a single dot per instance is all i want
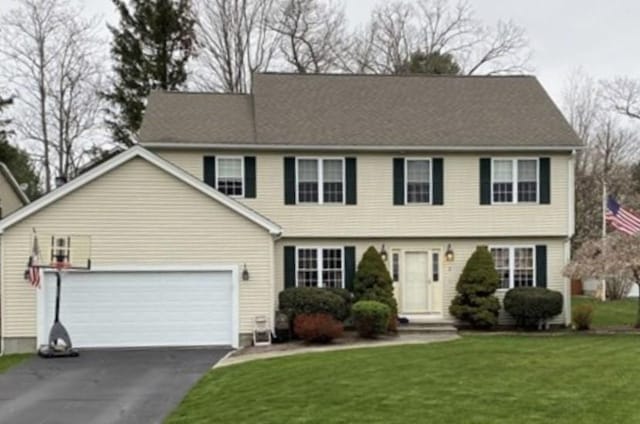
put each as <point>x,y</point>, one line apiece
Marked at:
<point>338,74</point>
<point>196,93</point>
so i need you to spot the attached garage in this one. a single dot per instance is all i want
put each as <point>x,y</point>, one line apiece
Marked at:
<point>167,255</point>
<point>143,307</point>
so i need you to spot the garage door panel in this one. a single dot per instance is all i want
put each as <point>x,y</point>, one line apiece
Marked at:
<point>121,309</point>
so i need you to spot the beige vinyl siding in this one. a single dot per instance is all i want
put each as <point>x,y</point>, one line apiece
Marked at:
<point>138,214</point>
<point>463,248</point>
<point>9,200</point>
<point>376,216</point>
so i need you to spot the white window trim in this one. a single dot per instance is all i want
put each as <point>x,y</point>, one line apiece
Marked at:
<point>512,248</point>
<point>320,162</point>
<point>406,180</point>
<point>319,263</point>
<point>514,179</point>
<point>241,158</point>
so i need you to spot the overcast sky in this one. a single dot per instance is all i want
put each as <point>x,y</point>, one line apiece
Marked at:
<point>600,36</point>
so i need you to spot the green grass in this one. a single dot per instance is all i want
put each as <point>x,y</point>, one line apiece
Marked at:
<point>612,313</point>
<point>477,379</point>
<point>8,361</point>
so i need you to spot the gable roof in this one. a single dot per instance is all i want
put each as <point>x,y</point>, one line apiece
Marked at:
<point>198,118</point>
<point>124,157</point>
<point>4,169</point>
<point>380,112</point>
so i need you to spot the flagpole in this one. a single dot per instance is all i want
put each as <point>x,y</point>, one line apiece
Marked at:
<point>604,233</point>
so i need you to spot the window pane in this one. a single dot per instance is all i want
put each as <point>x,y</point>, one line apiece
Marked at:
<point>308,180</point>
<point>503,181</point>
<point>418,181</point>
<point>332,181</point>
<point>307,268</point>
<point>523,267</point>
<point>331,267</point>
<point>395,261</point>
<point>527,181</point>
<point>501,261</point>
<point>230,176</point>
<point>435,266</point>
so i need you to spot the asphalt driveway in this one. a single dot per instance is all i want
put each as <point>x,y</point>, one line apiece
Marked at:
<point>118,386</point>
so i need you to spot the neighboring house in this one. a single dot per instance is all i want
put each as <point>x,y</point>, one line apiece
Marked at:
<point>292,184</point>
<point>12,197</point>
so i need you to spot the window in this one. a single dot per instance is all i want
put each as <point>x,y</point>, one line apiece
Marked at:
<point>395,266</point>
<point>320,180</point>
<point>418,180</point>
<point>229,175</point>
<point>435,267</point>
<point>515,181</point>
<point>515,265</point>
<point>319,267</point>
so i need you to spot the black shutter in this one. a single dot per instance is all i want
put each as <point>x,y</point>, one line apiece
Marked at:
<point>209,170</point>
<point>250,177</point>
<point>289,267</point>
<point>289,181</point>
<point>398,181</point>
<point>485,181</point>
<point>541,265</point>
<point>351,181</point>
<point>349,266</point>
<point>438,182</point>
<point>545,181</point>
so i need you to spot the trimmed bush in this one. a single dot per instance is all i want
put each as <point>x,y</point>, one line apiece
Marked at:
<point>532,306</point>
<point>373,282</point>
<point>317,328</point>
<point>346,296</point>
<point>582,315</point>
<point>312,300</point>
<point>370,317</point>
<point>475,302</point>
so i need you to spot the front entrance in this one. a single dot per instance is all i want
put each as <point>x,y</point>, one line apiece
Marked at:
<point>421,291</point>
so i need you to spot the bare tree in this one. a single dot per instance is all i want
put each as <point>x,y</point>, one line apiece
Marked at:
<point>51,56</point>
<point>623,95</point>
<point>313,34</point>
<point>398,29</point>
<point>234,41</point>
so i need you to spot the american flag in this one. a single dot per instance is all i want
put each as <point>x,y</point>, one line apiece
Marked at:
<point>621,218</point>
<point>34,272</point>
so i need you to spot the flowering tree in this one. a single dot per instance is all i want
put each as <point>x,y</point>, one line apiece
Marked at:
<point>616,257</point>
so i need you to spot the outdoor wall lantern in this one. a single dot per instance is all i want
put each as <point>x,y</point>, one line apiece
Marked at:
<point>449,255</point>
<point>383,253</point>
<point>245,273</point>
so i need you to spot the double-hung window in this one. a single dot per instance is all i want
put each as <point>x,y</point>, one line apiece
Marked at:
<point>320,267</point>
<point>230,175</point>
<point>418,181</point>
<point>514,181</point>
<point>515,265</point>
<point>320,180</point>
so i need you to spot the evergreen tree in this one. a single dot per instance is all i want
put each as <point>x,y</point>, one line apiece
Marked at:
<point>4,133</point>
<point>150,49</point>
<point>475,302</point>
<point>373,282</point>
<point>434,63</point>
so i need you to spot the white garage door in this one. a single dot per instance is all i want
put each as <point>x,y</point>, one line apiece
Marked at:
<point>127,309</point>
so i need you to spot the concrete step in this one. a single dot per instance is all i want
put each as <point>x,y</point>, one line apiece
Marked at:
<point>425,328</point>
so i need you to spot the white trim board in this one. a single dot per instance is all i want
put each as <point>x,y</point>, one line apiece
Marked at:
<point>120,159</point>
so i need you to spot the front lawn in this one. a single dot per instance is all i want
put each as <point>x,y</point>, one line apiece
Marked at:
<point>477,379</point>
<point>8,361</point>
<point>612,313</point>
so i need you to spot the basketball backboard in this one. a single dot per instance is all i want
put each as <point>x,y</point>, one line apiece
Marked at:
<point>64,251</point>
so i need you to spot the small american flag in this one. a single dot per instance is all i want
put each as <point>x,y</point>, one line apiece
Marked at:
<point>621,218</point>
<point>34,272</point>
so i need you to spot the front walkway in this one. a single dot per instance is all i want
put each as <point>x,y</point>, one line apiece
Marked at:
<point>297,348</point>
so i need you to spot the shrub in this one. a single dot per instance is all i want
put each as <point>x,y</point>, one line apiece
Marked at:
<point>531,306</point>
<point>370,317</point>
<point>475,302</point>
<point>582,315</point>
<point>317,328</point>
<point>618,288</point>
<point>312,300</point>
<point>373,282</point>
<point>346,296</point>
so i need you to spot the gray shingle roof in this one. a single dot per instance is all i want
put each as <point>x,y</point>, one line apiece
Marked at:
<point>366,110</point>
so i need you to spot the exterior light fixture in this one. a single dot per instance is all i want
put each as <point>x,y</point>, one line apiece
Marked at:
<point>245,273</point>
<point>383,253</point>
<point>449,255</point>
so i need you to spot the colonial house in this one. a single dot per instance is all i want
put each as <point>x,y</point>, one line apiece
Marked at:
<point>230,198</point>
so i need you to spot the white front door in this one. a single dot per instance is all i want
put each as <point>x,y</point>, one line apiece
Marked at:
<point>414,290</point>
